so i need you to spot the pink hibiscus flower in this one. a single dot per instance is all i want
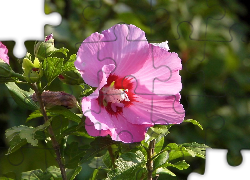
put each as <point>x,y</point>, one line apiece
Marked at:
<point>138,84</point>
<point>4,53</point>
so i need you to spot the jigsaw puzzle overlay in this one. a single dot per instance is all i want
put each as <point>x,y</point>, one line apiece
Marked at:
<point>211,43</point>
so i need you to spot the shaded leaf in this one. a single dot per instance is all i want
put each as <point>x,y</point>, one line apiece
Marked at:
<point>58,110</point>
<point>97,146</point>
<point>73,154</point>
<point>16,143</point>
<point>71,173</point>
<point>37,174</point>
<point>21,97</point>
<point>161,159</point>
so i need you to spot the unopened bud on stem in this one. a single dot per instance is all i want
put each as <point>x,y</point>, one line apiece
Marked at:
<point>57,98</point>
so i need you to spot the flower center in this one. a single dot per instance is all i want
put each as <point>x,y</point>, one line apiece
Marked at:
<point>114,96</point>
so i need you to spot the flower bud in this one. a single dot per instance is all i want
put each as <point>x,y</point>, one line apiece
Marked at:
<point>5,69</point>
<point>71,77</point>
<point>57,98</point>
<point>32,71</point>
<point>45,48</point>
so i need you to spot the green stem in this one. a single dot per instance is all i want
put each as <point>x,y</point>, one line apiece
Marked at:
<point>19,76</point>
<point>55,144</point>
<point>150,153</point>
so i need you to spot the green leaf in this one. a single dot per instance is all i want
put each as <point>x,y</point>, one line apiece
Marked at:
<point>71,173</point>
<point>179,165</point>
<point>187,149</point>
<point>59,123</point>
<point>194,122</point>
<point>161,159</point>
<point>58,110</point>
<point>94,175</point>
<point>5,178</point>
<point>130,166</point>
<point>54,171</point>
<point>52,66</point>
<point>73,154</point>
<point>69,65</point>
<point>97,162</point>
<point>37,174</point>
<point>157,132</point>
<point>159,145</point>
<point>6,79</point>
<point>22,134</point>
<point>21,97</point>
<point>61,50</point>
<point>97,147</point>
<point>16,143</point>
<point>164,171</point>
<point>197,149</point>
<point>34,114</point>
<point>65,112</point>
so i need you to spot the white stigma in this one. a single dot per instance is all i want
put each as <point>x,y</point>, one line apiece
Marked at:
<point>114,95</point>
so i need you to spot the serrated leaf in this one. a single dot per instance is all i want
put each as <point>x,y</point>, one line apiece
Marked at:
<point>52,66</point>
<point>196,148</point>
<point>161,159</point>
<point>194,122</point>
<point>179,165</point>
<point>157,132</point>
<point>34,114</point>
<point>22,135</point>
<point>187,149</point>
<point>164,171</point>
<point>130,166</point>
<point>69,65</point>
<point>21,97</point>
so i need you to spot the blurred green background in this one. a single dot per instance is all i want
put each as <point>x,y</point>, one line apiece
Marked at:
<point>212,41</point>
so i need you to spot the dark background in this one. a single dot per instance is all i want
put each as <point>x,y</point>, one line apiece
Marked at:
<point>211,38</point>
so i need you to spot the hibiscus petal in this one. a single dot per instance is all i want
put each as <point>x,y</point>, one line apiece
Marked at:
<point>92,109</point>
<point>160,73</point>
<point>92,131</point>
<point>157,110</point>
<point>128,132</point>
<point>4,53</point>
<point>119,45</point>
